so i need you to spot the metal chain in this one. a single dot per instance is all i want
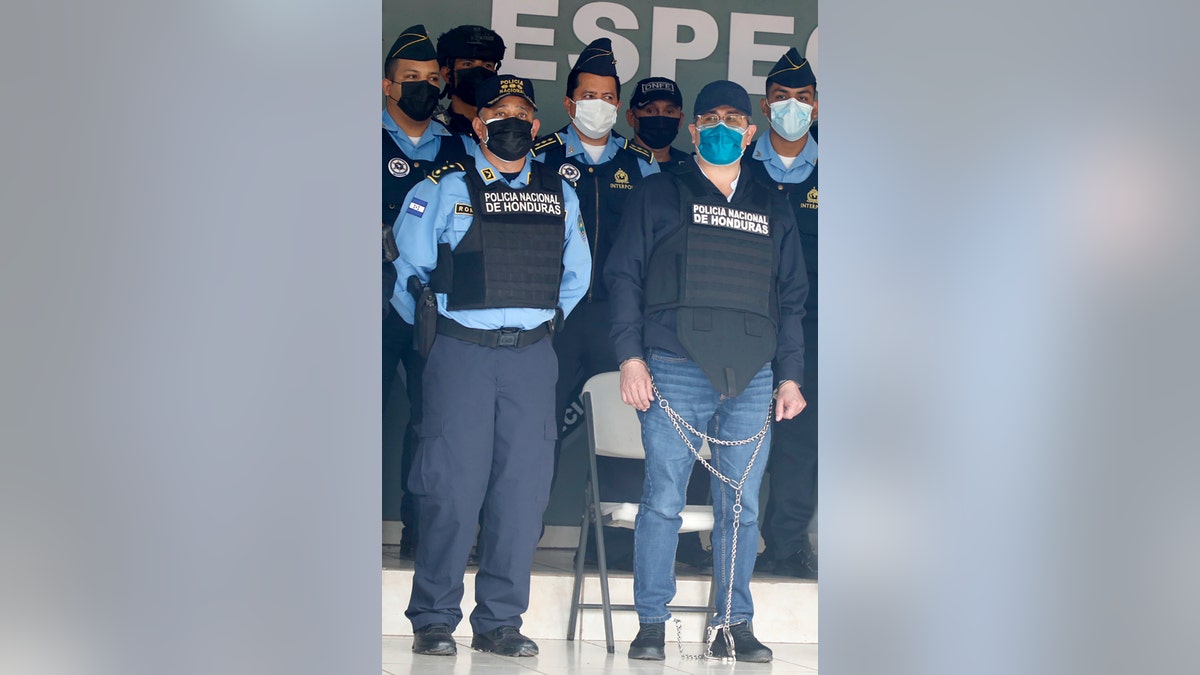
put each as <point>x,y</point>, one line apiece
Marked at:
<point>680,424</point>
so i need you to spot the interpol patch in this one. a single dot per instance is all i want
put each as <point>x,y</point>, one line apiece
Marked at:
<point>417,207</point>
<point>734,219</point>
<point>463,209</point>
<point>398,167</point>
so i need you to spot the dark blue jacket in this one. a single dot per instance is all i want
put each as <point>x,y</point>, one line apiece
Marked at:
<point>651,214</point>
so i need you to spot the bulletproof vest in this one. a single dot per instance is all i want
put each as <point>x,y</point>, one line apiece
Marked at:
<point>802,197</point>
<point>511,256</point>
<point>719,271</point>
<point>602,190</point>
<point>401,173</point>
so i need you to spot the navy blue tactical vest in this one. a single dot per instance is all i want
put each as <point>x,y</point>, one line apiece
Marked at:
<point>719,272</point>
<point>802,197</point>
<point>401,173</point>
<point>511,256</point>
<point>602,189</point>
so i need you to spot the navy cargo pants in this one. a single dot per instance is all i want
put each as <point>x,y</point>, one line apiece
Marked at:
<point>487,442</point>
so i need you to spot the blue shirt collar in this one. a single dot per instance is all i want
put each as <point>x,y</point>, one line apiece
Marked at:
<point>574,146</point>
<point>490,174</point>
<point>764,151</point>
<point>398,135</point>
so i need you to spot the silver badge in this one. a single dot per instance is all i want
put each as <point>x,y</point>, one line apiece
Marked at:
<point>398,167</point>
<point>569,171</point>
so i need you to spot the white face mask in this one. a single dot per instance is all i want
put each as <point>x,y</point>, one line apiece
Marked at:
<point>594,118</point>
<point>791,118</point>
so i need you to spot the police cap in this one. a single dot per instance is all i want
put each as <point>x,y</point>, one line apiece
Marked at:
<point>655,89</point>
<point>413,43</point>
<point>719,93</point>
<point>496,87</point>
<point>792,71</point>
<point>597,59</point>
<point>469,42</point>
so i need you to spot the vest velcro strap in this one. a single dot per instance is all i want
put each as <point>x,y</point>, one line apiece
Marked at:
<point>500,337</point>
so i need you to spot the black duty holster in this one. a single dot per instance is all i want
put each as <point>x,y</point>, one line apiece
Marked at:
<point>424,318</point>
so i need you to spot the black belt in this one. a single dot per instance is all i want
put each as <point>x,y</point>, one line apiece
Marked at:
<point>500,337</point>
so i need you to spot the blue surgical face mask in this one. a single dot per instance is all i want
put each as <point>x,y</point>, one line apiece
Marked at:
<point>720,145</point>
<point>791,118</point>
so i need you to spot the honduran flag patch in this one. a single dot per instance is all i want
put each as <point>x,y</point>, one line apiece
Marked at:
<point>417,207</point>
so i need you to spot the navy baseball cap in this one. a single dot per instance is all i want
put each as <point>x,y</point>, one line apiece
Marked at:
<point>496,87</point>
<point>719,93</point>
<point>655,89</point>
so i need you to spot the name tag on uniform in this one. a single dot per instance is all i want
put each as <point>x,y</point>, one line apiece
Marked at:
<point>463,209</point>
<point>525,201</point>
<point>733,219</point>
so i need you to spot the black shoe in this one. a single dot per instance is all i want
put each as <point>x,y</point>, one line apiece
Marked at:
<point>505,641</point>
<point>408,549</point>
<point>697,557</point>
<point>747,646</point>
<point>764,563</point>
<point>435,640</point>
<point>801,564</point>
<point>649,643</point>
<point>472,559</point>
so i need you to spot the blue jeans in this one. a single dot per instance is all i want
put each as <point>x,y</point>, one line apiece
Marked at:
<point>668,465</point>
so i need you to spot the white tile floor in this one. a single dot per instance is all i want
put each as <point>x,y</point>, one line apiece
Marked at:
<point>562,657</point>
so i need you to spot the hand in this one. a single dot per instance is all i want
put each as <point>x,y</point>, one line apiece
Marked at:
<point>788,400</point>
<point>636,389</point>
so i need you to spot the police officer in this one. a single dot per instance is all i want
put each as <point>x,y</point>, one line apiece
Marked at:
<point>467,55</point>
<point>707,286</point>
<point>499,238</point>
<point>605,168</point>
<point>656,115</point>
<point>413,145</point>
<point>785,160</point>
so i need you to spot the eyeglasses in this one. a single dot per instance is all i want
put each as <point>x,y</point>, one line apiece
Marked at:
<point>734,120</point>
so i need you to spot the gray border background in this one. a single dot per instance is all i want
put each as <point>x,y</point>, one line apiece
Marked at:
<point>190,409</point>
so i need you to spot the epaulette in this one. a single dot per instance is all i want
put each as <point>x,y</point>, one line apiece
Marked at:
<point>547,141</point>
<point>447,168</point>
<point>639,150</point>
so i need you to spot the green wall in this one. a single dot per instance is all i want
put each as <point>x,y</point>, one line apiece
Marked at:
<point>689,42</point>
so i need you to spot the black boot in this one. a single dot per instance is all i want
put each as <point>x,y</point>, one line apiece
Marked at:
<point>435,640</point>
<point>505,641</point>
<point>747,646</point>
<point>649,643</point>
<point>801,564</point>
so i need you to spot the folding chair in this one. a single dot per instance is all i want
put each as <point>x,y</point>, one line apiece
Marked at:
<point>614,431</point>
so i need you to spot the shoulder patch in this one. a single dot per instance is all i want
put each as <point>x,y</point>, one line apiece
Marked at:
<point>463,209</point>
<point>447,168</point>
<point>570,172</point>
<point>639,151</point>
<point>546,142</point>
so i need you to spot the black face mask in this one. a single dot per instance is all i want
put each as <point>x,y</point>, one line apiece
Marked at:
<point>465,81</point>
<point>417,99</point>
<point>657,131</point>
<point>510,138</point>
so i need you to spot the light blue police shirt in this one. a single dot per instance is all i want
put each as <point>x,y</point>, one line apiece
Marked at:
<point>428,218</point>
